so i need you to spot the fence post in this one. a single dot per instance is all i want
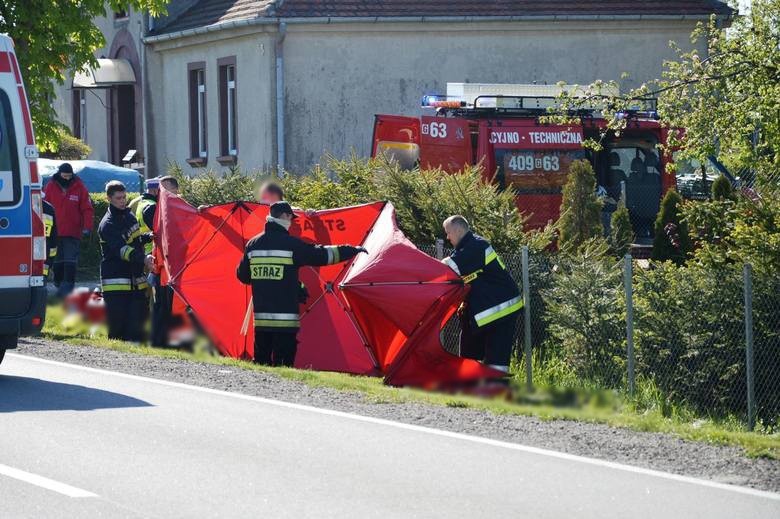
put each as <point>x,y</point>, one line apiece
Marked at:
<point>527,320</point>
<point>747,272</point>
<point>439,249</point>
<point>629,289</point>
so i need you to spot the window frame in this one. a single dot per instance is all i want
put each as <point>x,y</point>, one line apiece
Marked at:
<point>228,110</point>
<point>198,113</point>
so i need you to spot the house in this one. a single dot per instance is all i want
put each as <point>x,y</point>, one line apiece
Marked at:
<point>267,83</point>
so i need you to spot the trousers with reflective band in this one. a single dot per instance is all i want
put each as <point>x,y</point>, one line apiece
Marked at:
<point>123,284</point>
<point>277,320</point>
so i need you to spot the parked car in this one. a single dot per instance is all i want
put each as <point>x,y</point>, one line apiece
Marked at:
<point>94,173</point>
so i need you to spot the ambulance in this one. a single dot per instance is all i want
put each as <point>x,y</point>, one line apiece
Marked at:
<point>22,237</point>
<point>502,128</point>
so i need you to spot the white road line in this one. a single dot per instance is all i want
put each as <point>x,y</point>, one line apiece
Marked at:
<point>427,430</point>
<point>43,482</point>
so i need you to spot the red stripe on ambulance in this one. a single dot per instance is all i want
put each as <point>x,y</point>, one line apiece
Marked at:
<point>26,116</point>
<point>15,66</point>
<point>5,62</point>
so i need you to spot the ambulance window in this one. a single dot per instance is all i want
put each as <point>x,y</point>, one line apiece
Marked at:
<point>10,188</point>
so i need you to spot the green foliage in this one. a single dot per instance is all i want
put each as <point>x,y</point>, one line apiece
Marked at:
<point>423,199</point>
<point>743,230</point>
<point>722,189</point>
<point>621,233</point>
<point>584,314</point>
<point>341,183</point>
<point>726,98</point>
<point>211,188</point>
<point>580,210</point>
<point>68,147</point>
<point>53,37</point>
<point>671,240</point>
<point>690,336</point>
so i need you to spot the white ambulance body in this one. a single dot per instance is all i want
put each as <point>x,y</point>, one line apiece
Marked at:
<point>22,238</point>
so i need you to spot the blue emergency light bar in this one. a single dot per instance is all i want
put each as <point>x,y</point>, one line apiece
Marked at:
<point>440,101</point>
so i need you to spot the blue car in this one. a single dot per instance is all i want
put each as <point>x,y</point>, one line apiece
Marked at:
<point>94,173</point>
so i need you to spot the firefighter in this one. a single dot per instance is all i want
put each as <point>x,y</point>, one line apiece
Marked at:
<point>50,227</point>
<point>270,264</point>
<point>489,314</point>
<point>122,277</point>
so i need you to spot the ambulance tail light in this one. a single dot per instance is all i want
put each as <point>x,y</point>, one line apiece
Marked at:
<point>37,204</point>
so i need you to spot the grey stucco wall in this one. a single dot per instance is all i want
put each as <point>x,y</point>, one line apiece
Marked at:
<point>168,115</point>
<point>338,77</point>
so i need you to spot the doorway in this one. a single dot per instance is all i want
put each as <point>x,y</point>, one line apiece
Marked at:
<point>123,122</point>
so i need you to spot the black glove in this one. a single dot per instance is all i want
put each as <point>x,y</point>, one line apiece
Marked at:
<point>146,237</point>
<point>361,249</point>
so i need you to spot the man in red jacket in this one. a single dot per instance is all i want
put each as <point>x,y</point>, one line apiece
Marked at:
<point>73,210</point>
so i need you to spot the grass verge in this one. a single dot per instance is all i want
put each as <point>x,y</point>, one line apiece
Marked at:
<point>614,414</point>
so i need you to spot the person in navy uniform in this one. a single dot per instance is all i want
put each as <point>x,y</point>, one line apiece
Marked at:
<point>270,265</point>
<point>489,314</point>
<point>122,277</point>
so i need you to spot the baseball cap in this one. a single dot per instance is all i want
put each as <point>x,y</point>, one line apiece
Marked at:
<point>280,208</point>
<point>152,183</point>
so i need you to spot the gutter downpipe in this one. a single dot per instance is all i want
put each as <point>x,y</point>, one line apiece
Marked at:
<point>280,149</point>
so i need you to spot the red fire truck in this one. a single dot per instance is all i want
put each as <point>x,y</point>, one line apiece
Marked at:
<point>498,126</point>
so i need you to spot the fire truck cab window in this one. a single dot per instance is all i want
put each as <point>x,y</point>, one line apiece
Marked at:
<point>10,185</point>
<point>639,166</point>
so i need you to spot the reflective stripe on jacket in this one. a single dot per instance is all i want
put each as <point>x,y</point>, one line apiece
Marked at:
<point>270,264</point>
<point>494,294</point>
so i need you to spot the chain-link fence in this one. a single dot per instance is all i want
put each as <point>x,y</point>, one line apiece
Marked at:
<point>687,339</point>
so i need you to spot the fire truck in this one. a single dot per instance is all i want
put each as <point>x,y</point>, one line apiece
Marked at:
<point>501,128</point>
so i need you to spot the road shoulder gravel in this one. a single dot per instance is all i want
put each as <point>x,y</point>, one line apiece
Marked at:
<point>658,451</point>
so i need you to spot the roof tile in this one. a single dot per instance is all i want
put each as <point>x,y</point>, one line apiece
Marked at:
<point>213,12</point>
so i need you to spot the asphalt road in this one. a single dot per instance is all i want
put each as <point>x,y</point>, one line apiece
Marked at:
<point>78,442</point>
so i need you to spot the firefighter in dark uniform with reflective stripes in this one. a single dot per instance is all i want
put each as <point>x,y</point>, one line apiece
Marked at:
<point>270,264</point>
<point>489,317</point>
<point>122,276</point>
<point>50,227</point>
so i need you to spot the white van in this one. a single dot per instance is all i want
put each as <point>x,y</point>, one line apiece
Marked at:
<point>22,238</point>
